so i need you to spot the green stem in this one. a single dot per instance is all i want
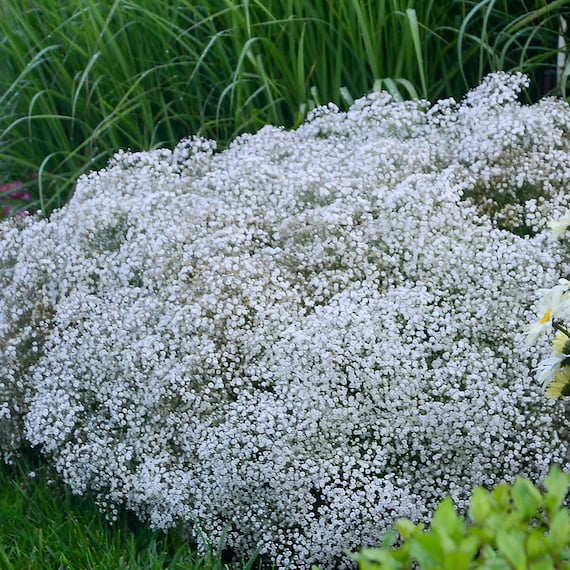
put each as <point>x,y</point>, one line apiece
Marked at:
<point>560,328</point>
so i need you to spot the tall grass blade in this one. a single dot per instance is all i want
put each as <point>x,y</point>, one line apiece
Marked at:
<point>415,31</point>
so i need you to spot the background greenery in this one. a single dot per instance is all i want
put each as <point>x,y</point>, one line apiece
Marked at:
<point>83,78</point>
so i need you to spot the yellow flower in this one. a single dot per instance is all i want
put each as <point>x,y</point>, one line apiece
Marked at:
<point>561,384</point>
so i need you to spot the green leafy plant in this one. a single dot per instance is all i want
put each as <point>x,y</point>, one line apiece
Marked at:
<point>512,527</point>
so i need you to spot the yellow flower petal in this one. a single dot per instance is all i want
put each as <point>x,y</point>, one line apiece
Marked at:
<point>561,384</point>
<point>546,316</point>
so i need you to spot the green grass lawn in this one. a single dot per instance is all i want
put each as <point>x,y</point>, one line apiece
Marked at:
<point>44,526</point>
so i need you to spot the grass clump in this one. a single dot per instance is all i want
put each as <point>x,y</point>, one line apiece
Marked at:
<point>57,529</point>
<point>79,81</point>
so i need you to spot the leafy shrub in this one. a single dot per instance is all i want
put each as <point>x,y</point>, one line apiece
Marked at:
<point>304,337</point>
<point>511,527</point>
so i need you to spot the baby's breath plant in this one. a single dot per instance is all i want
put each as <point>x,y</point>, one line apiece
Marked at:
<point>44,526</point>
<point>302,338</point>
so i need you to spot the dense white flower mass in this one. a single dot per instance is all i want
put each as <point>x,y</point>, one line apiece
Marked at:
<point>300,338</point>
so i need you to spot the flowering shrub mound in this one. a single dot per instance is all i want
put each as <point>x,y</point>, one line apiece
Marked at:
<point>303,337</point>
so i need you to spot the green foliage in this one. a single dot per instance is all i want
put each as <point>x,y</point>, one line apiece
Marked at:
<point>512,527</point>
<point>81,79</point>
<point>516,36</point>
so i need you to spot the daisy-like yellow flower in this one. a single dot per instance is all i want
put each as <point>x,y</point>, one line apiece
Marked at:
<point>554,304</point>
<point>561,384</point>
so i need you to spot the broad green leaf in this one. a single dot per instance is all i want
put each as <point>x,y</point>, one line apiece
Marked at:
<point>526,497</point>
<point>389,538</point>
<point>556,484</point>
<point>406,528</point>
<point>536,544</point>
<point>457,560</point>
<point>480,506</point>
<point>490,560</point>
<point>511,544</point>
<point>426,548</point>
<point>446,523</point>
<point>560,528</point>
<point>470,546</point>
<point>543,564</point>
<point>501,496</point>
<point>376,558</point>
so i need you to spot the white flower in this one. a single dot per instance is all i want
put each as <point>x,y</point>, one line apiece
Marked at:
<point>554,304</point>
<point>559,227</point>
<point>553,371</point>
<point>560,384</point>
<point>549,368</point>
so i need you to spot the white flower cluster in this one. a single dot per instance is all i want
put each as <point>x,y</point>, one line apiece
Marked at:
<point>300,338</point>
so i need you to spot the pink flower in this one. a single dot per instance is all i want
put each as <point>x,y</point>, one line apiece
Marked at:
<point>11,195</point>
